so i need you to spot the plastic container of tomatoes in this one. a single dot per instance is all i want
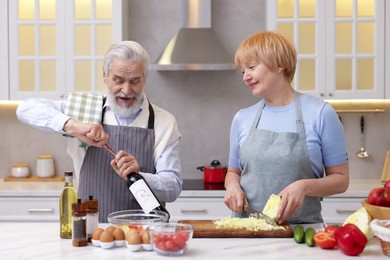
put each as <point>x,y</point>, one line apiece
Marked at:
<point>170,239</point>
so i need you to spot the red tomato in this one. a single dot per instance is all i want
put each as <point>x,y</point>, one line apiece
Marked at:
<point>184,235</point>
<point>161,245</point>
<point>330,229</point>
<point>179,241</point>
<point>170,246</point>
<point>325,240</point>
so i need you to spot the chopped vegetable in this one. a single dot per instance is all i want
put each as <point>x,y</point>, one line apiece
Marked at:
<point>251,223</point>
<point>272,206</point>
<point>325,240</point>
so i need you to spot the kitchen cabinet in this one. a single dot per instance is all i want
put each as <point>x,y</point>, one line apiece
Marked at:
<point>340,45</point>
<point>29,209</point>
<point>336,210</point>
<point>57,46</point>
<point>198,208</point>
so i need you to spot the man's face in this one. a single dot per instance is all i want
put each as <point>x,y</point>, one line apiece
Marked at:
<point>125,81</point>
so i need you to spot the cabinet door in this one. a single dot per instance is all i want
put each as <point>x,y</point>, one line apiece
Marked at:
<point>336,210</point>
<point>29,209</point>
<point>340,45</point>
<point>57,46</point>
<point>195,208</point>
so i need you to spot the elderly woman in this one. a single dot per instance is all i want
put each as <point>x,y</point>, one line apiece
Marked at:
<point>290,144</point>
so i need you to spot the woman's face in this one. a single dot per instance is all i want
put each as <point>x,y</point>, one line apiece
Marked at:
<point>125,81</point>
<point>261,80</point>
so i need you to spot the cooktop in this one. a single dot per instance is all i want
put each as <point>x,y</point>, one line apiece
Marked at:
<point>199,184</point>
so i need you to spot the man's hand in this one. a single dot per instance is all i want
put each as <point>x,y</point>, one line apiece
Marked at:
<point>124,163</point>
<point>91,134</point>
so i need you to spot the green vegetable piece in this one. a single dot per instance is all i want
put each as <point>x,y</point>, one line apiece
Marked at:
<point>299,234</point>
<point>309,236</point>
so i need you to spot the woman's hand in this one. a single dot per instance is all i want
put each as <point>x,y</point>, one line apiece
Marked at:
<point>292,199</point>
<point>124,163</point>
<point>234,196</point>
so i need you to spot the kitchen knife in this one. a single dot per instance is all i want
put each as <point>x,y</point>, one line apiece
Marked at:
<point>259,215</point>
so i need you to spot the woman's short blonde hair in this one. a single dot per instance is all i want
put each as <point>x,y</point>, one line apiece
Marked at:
<point>270,48</point>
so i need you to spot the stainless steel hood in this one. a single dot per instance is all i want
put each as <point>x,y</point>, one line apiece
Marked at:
<point>195,46</point>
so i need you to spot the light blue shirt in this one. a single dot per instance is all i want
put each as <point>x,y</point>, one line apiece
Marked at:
<point>48,115</point>
<point>324,132</point>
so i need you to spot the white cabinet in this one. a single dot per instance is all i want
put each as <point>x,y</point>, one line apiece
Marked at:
<point>196,208</point>
<point>340,45</point>
<point>29,209</point>
<point>336,210</point>
<point>55,47</point>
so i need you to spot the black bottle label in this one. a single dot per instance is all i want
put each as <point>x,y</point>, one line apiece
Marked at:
<point>144,196</point>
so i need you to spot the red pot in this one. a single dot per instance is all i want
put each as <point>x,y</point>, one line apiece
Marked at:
<point>214,173</point>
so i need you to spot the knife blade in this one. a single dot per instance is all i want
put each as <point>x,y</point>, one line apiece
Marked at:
<point>259,215</point>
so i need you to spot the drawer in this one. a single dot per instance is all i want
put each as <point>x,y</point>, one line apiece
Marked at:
<point>29,209</point>
<point>198,208</point>
<point>336,210</point>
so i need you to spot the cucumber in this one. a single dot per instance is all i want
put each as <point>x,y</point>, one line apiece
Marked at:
<point>309,236</point>
<point>299,234</point>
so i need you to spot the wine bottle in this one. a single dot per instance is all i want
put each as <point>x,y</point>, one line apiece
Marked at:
<point>144,194</point>
<point>68,197</point>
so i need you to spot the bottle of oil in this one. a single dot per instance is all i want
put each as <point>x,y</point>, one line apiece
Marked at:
<point>68,197</point>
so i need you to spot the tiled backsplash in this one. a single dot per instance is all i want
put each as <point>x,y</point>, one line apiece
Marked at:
<point>22,144</point>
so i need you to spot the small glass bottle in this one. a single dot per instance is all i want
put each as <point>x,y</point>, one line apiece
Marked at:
<point>79,224</point>
<point>67,198</point>
<point>92,216</point>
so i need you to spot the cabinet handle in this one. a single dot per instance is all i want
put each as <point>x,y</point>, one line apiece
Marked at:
<point>341,211</point>
<point>40,210</point>
<point>193,210</point>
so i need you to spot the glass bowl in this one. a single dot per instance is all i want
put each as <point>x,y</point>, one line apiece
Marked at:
<point>170,239</point>
<point>136,219</point>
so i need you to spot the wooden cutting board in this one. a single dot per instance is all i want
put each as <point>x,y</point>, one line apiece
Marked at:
<point>207,229</point>
<point>34,178</point>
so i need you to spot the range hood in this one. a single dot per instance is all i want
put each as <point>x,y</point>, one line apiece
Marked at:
<point>195,46</point>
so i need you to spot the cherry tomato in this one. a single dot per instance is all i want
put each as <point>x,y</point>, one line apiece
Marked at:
<point>161,245</point>
<point>330,229</point>
<point>170,246</point>
<point>184,235</point>
<point>325,240</point>
<point>179,241</point>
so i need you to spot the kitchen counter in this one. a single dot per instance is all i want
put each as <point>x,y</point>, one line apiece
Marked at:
<point>42,241</point>
<point>358,188</point>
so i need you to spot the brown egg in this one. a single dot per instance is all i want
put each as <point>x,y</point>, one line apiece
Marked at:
<point>118,234</point>
<point>145,237</point>
<point>133,238</point>
<point>110,228</point>
<point>96,233</point>
<point>106,236</point>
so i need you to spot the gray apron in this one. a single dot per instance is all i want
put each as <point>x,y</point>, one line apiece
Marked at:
<point>271,161</point>
<point>98,178</point>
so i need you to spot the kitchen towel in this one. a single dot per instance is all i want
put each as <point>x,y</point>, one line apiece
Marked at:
<point>85,107</point>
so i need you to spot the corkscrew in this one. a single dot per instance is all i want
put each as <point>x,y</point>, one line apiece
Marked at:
<point>109,149</point>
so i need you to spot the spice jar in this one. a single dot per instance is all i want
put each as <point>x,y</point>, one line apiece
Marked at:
<point>45,166</point>
<point>92,216</point>
<point>79,224</point>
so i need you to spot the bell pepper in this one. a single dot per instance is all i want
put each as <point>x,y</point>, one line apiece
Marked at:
<point>350,239</point>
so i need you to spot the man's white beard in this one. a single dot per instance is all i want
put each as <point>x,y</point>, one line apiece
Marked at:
<point>123,111</point>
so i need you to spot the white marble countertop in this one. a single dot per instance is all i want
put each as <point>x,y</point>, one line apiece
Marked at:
<point>358,188</point>
<point>42,241</point>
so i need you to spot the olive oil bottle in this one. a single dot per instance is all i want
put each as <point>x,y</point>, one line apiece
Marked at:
<point>68,197</point>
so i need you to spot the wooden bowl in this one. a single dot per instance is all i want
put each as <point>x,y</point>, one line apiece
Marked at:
<point>376,212</point>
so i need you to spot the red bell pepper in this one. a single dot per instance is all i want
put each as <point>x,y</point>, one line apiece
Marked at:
<point>350,239</point>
